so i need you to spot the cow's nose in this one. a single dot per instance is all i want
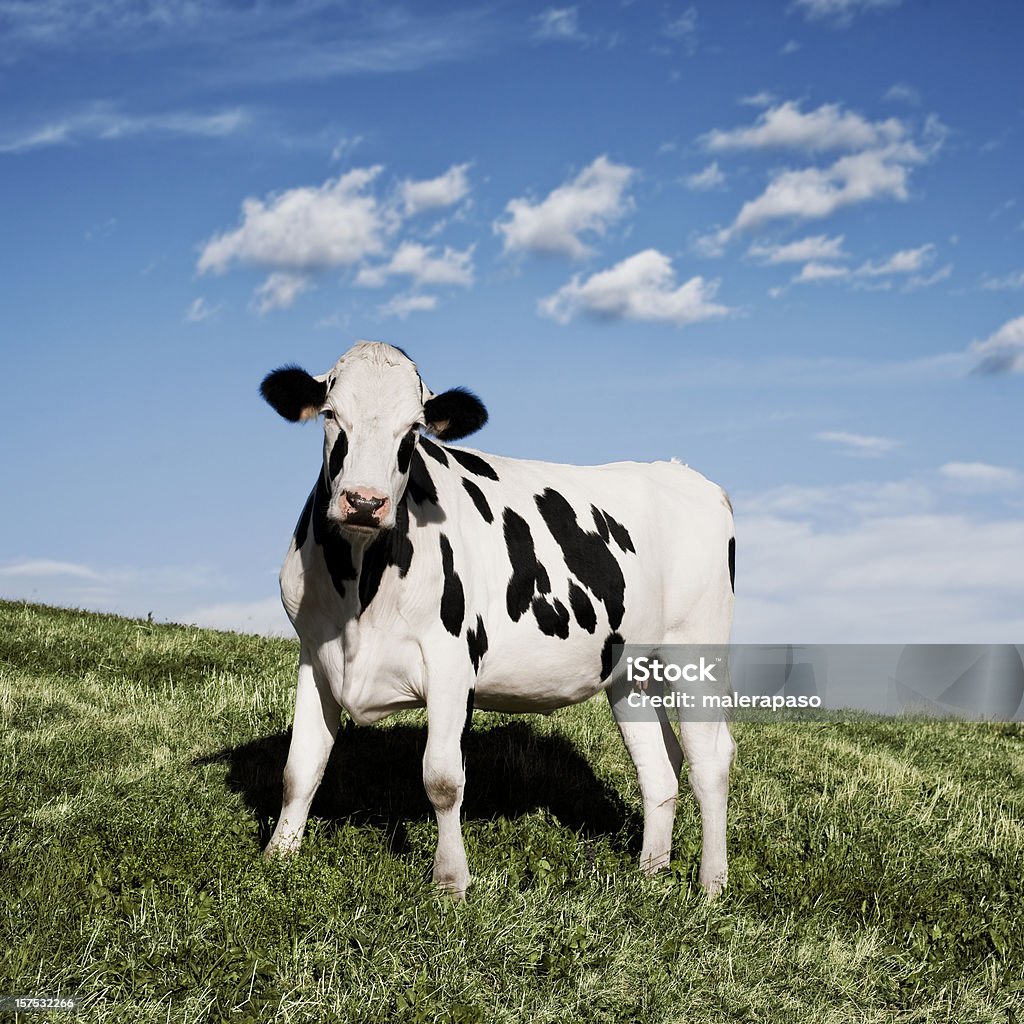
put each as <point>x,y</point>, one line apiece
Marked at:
<point>364,501</point>
<point>361,507</point>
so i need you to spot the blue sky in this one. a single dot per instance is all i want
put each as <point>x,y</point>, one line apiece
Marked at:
<point>783,242</point>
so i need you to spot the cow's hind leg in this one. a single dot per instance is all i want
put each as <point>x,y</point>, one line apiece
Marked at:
<point>316,723</point>
<point>656,753</point>
<point>709,746</point>
<point>444,779</point>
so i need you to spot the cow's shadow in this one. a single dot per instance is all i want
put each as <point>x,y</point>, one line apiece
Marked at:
<point>374,777</point>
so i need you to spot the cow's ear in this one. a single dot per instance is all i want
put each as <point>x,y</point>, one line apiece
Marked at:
<point>454,414</point>
<point>294,393</point>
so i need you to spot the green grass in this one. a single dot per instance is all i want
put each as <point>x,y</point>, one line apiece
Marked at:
<point>876,865</point>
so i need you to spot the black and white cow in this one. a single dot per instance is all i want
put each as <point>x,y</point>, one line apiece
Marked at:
<point>424,575</point>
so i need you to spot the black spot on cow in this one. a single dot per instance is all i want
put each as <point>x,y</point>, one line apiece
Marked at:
<point>476,639</point>
<point>435,451</point>
<point>582,607</point>
<point>390,547</point>
<point>600,522</point>
<point>732,563</point>
<point>473,463</point>
<point>405,449</point>
<point>479,500</point>
<point>421,487</point>
<point>337,550</point>
<point>620,534</point>
<point>339,450</point>
<point>453,597</point>
<point>302,526</point>
<point>608,660</point>
<point>293,393</point>
<point>467,725</point>
<point>525,568</point>
<point>552,617</point>
<point>587,556</point>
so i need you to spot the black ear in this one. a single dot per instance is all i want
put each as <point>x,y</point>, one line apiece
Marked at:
<point>294,393</point>
<point>456,413</point>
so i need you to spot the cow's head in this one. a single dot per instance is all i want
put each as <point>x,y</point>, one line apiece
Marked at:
<point>374,404</point>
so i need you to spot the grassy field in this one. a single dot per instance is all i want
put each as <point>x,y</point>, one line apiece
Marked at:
<point>876,866</point>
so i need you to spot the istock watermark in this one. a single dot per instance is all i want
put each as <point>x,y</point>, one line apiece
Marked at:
<point>977,682</point>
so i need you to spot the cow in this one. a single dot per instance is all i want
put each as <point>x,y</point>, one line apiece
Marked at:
<point>423,574</point>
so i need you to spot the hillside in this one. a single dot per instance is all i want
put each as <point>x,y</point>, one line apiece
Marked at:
<point>876,865</point>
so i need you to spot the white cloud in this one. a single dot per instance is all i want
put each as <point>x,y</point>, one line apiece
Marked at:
<point>981,476</point>
<point>839,12</point>
<point>305,229</point>
<point>906,261</point>
<point>791,46</point>
<point>814,271</point>
<point>1003,351</point>
<point>878,166</point>
<point>590,203</point>
<point>758,99</point>
<point>402,305</point>
<point>814,193</point>
<point>709,178</point>
<point>106,122</point>
<point>874,562</point>
<point>452,267</point>
<point>435,193</point>
<point>642,287</point>
<point>200,310</point>
<point>786,126</point>
<point>815,247</point>
<point>1008,282</point>
<point>558,23</point>
<point>280,290</point>
<point>860,445</point>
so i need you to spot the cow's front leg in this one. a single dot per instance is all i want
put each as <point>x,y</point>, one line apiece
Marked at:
<point>444,779</point>
<point>316,724</point>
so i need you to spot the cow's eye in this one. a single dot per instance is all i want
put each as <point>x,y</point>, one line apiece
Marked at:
<point>328,414</point>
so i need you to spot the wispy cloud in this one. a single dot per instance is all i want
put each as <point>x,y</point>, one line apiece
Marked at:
<point>859,445</point>
<point>200,310</point>
<point>682,27</point>
<point>226,41</point>
<point>401,306</point>
<point>559,24</point>
<point>981,476</point>
<point>106,122</point>
<point>642,287</point>
<point>815,247</point>
<point>280,290</point>
<point>839,13</point>
<point>703,181</point>
<point>588,204</point>
<point>1008,282</point>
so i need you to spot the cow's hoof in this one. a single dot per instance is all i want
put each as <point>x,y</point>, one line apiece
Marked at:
<point>713,887</point>
<point>456,888</point>
<point>279,851</point>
